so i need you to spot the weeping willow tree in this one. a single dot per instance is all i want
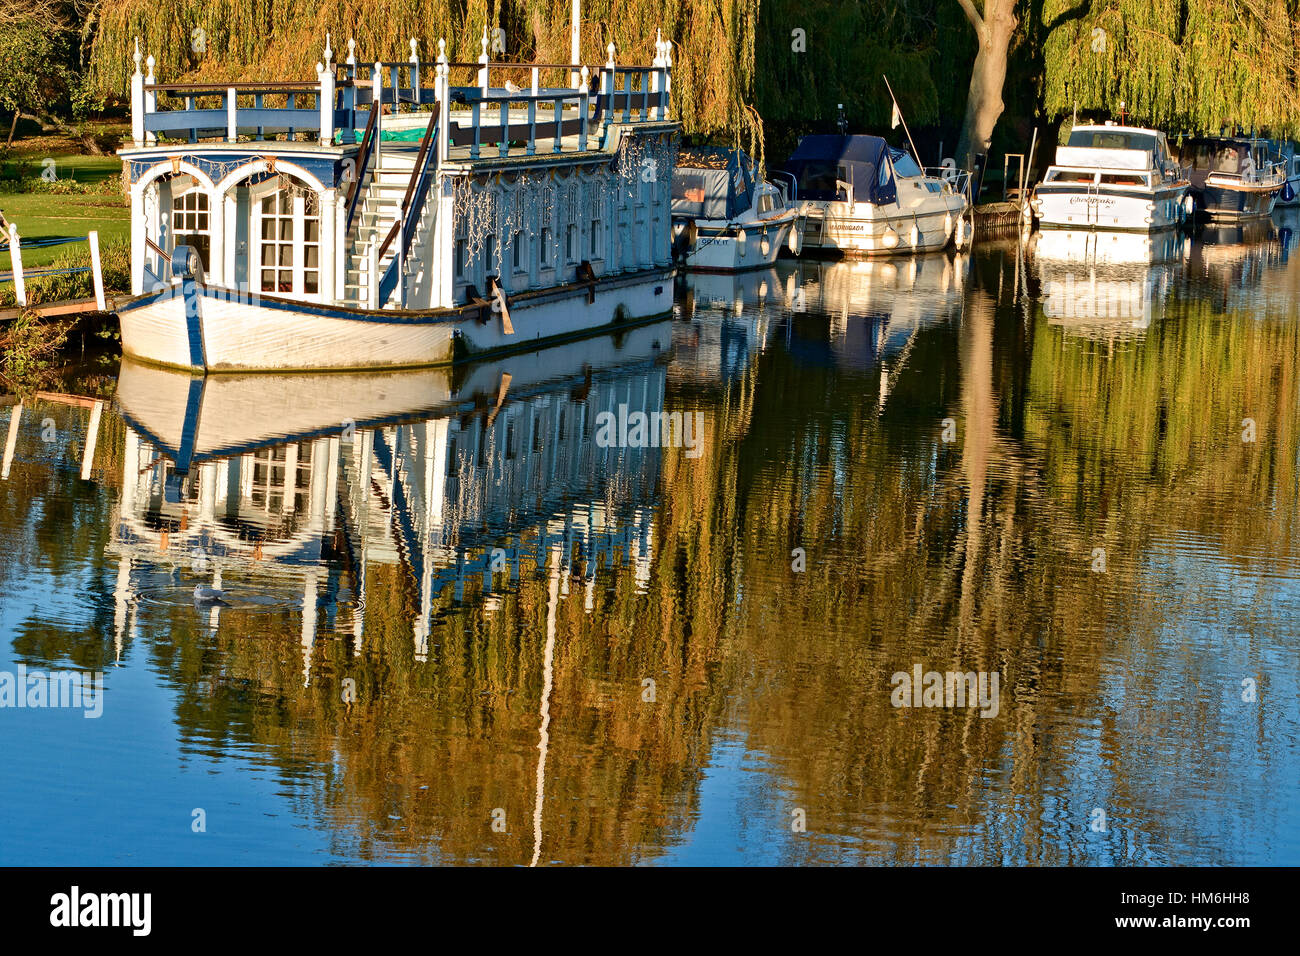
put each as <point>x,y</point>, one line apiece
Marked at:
<point>238,40</point>
<point>1178,64</point>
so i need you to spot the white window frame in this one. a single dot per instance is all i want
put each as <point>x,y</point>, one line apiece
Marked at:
<point>257,195</point>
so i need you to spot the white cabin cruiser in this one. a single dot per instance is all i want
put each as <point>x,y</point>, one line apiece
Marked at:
<point>725,218</point>
<point>862,197</point>
<point>1113,177</point>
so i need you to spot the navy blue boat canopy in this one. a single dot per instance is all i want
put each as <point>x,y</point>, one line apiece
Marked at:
<point>820,162</point>
<point>711,182</point>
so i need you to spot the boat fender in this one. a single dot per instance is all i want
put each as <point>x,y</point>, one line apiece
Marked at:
<point>1189,205</point>
<point>742,242</point>
<point>959,237</point>
<point>1287,193</point>
<point>914,236</point>
<point>795,242</point>
<point>890,239</point>
<point>766,246</point>
<point>947,224</point>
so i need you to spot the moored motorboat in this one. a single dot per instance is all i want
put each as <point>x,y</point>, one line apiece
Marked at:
<point>862,197</point>
<point>725,217</point>
<point>1112,177</point>
<point>1233,177</point>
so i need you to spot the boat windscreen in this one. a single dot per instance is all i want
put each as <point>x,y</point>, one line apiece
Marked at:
<point>1215,156</point>
<point>1112,139</point>
<point>904,164</point>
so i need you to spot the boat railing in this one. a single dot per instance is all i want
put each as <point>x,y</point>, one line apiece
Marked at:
<point>361,169</point>
<point>958,179</point>
<point>412,210</point>
<point>345,95</point>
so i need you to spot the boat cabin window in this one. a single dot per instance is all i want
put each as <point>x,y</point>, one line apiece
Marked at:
<point>286,230</point>
<point>1112,139</point>
<point>1125,179</point>
<point>819,179</point>
<point>1070,176</point>
<point>764,203</point>
<point>191,224</point>
<point>1213,157</point>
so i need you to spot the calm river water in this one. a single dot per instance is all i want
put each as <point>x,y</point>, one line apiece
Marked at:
<point>481,617</point>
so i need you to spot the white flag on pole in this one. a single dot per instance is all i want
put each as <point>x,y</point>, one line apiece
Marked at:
<point>896,117</point>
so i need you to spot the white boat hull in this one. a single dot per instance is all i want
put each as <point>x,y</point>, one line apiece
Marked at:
<point>718,248</point>
<point>222,331</point>
<point>1091,209</point>
<point>866,230</point>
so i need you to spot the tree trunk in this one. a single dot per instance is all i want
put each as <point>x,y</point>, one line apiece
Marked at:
<point>984,104</point>
<point>13,126</point>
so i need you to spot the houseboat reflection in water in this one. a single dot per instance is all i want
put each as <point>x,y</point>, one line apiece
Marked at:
<point>284,491</point>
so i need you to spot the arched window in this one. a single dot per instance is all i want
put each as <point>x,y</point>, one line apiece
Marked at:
<point>286,238</point>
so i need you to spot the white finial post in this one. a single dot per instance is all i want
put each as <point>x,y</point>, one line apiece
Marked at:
<point>483,61</point>
<point>442,93</point>
<point>150,97</point>
<point>415,73</point>
<point>352,53</point>
<point>137,99</point>
<point>609,84</point>
<point>325,74</point>
<point>329,52</point>
<point>583,74</point>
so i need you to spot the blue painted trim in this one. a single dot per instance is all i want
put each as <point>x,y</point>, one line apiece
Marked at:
<point>190,430</point>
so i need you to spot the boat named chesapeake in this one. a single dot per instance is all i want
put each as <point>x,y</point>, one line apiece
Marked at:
<point>1113,177</point>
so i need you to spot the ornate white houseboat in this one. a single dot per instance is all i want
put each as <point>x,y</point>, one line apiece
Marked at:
<point>382,216</point>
